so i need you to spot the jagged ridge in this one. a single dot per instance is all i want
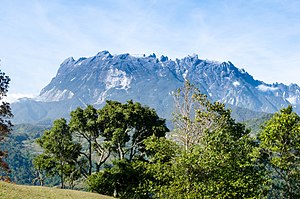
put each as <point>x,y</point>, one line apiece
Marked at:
<point>151,81</point>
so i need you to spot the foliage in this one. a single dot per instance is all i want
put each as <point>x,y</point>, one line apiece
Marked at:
<point>5,116</point>
<point>280,148</point>
<point>159,169</point>
<point>84,125</point>
<point>220,167</point>
<point>118,180</point>
<point>126,126</point>
<point>21,147</point>
<point>185,127</point>
<point>220,164</point>
<point>115,133</point>
<point>60,152</point>
<point>19,161</point>
<point>137,178</point>
<point>208,155</point>
<point>215,160</point>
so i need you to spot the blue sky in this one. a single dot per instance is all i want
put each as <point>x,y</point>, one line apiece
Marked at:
<point>261,36</point>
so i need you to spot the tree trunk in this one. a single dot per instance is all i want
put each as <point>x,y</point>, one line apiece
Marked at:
<point>62,175</point>
<point>121,153</point>
<point>97,167</point>
<point>90,157</point>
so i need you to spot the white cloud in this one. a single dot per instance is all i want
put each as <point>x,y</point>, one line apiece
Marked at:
<point>265,88</point>
<point>13,97</point>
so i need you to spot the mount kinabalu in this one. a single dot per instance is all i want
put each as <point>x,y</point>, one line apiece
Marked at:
<point>151,81</point>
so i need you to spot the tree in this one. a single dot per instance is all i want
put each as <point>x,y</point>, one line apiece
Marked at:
<point>125,129</point>
<point>185,130</point>
<point>118,181</point>
<point>84,125</point>
<point>216,158</point>
<point>194,115</point>
<point>44,166</point>
<point>280,149</point>
<point>158,170</point>
<point>220,166</point>
<point>5,116</point>
<point>126,126</point>
<point>60,152</point>
<point>138,178</point>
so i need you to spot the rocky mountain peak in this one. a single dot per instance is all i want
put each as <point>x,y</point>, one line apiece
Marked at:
<point>151,80</point>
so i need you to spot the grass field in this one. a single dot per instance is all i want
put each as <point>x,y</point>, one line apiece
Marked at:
<point>13,191</point>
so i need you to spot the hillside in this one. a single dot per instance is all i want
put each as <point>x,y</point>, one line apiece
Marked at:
<point>13,191</point>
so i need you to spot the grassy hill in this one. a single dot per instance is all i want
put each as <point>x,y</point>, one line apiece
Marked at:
<point>13,191</point>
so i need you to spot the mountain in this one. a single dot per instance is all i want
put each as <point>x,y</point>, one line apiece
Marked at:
<point>151,81</point>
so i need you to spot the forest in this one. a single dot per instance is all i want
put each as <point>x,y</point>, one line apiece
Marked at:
<point>126,150</point>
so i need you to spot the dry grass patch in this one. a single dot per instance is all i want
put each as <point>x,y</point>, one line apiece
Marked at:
<point>13,191</point>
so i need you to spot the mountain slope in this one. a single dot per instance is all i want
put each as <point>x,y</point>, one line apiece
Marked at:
<point>151,81</point>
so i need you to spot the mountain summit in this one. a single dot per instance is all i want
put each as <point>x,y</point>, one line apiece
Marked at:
<point>151,81</point>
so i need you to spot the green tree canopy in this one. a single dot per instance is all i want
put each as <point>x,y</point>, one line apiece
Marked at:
<point>60,152</point>
<point>125,129</point>
<point>126,126</point>
<point>216,158</point>
<point>84,125</point>
<point>280,148</point>
<point>5,116</point>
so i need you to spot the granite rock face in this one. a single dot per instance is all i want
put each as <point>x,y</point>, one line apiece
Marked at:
<point>151,81</point>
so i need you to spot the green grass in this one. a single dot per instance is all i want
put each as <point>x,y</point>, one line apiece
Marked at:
<point>13,191</point>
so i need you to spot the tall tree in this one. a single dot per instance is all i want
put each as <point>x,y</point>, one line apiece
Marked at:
<point>5,116</point>
<point>184,116</point>
<point>126,126</point>
<point>280,148</point>
<point>60,152</point>
<point>217,158</point>
<point>85,126</point>
<point>188,100</point>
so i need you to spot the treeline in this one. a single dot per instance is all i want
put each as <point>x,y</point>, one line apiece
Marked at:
<point>95,137</point>
<point>125,150</point>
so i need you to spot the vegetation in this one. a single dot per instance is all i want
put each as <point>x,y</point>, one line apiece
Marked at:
<point>210,155</point>
<point>219,164</point>
<point>125,150</point>
<point>280,149</point>
<point>126,126</point>
<point>110,135</point>
<point>5,115</point>
<point>22,148</point>
<point>85,127</point>
<point>60,154</point>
